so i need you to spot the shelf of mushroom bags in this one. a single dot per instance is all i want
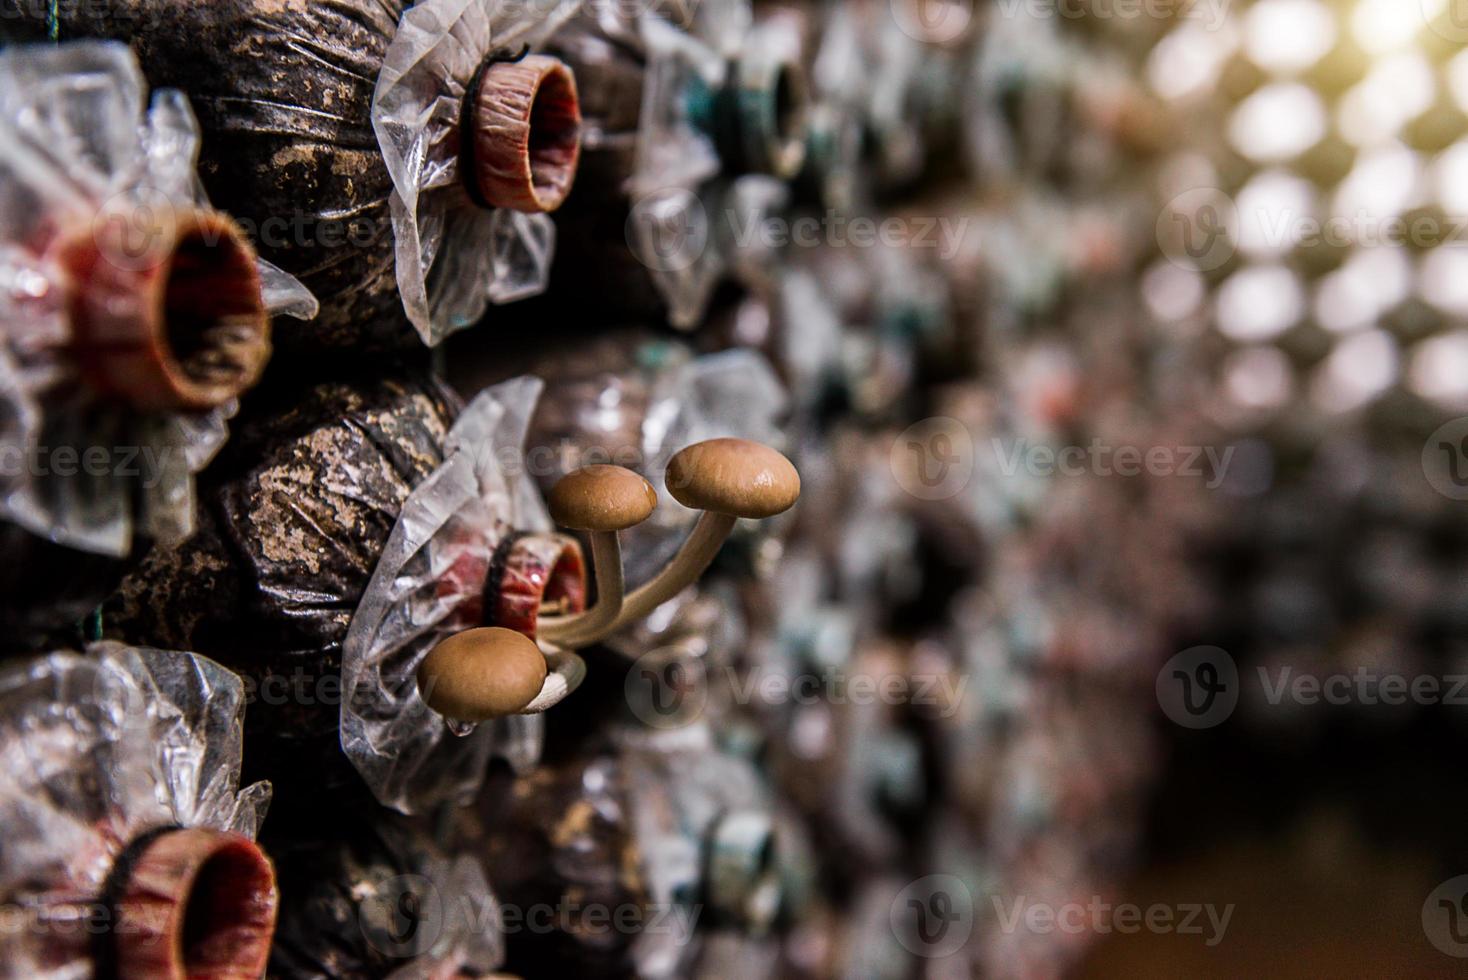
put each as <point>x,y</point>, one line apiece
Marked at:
<point>137,315</point>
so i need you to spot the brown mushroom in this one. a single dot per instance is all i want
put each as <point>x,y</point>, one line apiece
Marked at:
<point>600,500</point>
<point>482,674</point>
<point>726,479</point>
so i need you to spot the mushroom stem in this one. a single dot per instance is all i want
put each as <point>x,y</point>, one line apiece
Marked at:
<point>697,553</point>
<point>600,500</point>
<point>606,557</point>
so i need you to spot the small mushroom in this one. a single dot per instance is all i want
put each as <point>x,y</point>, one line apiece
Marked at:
<point>600,500</point>
<point>726,479</point>
<point>482,674</point>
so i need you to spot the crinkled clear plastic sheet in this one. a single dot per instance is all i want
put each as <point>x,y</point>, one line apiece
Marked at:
<point>866,69</point>
<point>678,227</point>
<point>677,235</point>
<point>427,584</point>
<point>566,830</point>
<point>730,394</point>
<point>464,946</point>
<point>693,239</point>
<point>843,78</point>
<point>720,24</point>
<point>898,59</point>
<point>377,896</point>
<point>811,355</point>
<point>754,260</point>
<point>453,257</point>
<point>671,150</point>
<point>671,60</point>
<point>1026,57</point>
<point>677,795</point>
<point>686,48</point>
<point>705,624</point>
<point>96,750</point>
<point>79,146</point>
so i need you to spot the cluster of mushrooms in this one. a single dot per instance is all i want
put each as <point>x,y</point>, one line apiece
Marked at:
<point>492,672</point>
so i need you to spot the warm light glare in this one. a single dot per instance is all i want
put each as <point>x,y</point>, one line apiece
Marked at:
<point>1188,60</point>
<point>1275,209</point>
<point>1445,279</point>
<point>1439,369</point>
<point>1381,26</point>
<point>1450,174</point>
<point>1171,292</point>
<point>1278,122</point>
<point>1288,35</point>
<point>1384,183</point>
<point>1360,368</point>
<point>1260,303</point>
<point>1371,282</point>
<point>1258,378</point>
<point>1398,90</point>
<point>1345,302</point>
<point>1457,76</point>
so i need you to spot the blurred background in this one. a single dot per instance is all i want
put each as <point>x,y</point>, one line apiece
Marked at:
<point>1302,309</point>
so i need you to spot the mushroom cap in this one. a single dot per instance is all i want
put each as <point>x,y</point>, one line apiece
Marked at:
<point>735,477</point>
<point>602,498</point>
<point>481,674</point>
